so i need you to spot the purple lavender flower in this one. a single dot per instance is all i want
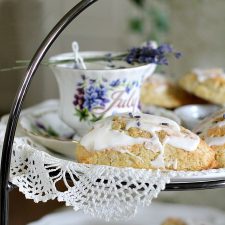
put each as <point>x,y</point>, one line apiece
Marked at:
<point>40,125</point>
<point>149,54</point>
<point>130,115</point>
<point>104,79</point>
<point>92,81</point>
<point>95,97</point>
<point>165,48</point>
<point>135,83</point>
<point>139,106</point>
<point>163,61</point>
<point>115,83</point>
<point>177,54</point>
<point>127,89</point>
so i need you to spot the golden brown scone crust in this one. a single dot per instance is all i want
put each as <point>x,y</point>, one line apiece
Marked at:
<point>220,155</point>
<point>210,129</point>
<point>159,91</point>
<point>211,89</point>
<point>137,156</point>
<point>174,221</point>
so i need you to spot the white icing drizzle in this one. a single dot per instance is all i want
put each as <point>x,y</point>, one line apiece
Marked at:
<point>173,163</point>
<point>104,137</point>
<point>124,150</point>
<point>203,75</point>
<point>159,161</point>
<point>221,123</point>
<point>210,123</point>
<point>188,143</point>
<point>215,141</point>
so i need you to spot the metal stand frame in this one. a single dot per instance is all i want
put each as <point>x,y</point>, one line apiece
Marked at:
<point>5,186</point>
<point>19,99</point>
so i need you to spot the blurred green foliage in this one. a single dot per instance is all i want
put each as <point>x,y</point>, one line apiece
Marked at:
<point>153,18</point>
<point>136,25</point>
<point>139,3</point>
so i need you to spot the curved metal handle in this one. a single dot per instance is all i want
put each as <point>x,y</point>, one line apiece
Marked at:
<point>19,99</point>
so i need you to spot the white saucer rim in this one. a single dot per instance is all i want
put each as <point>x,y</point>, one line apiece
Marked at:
<point>29,132</point>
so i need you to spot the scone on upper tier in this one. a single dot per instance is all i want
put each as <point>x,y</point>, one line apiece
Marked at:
<point>161,91</point>
<point>212,130</point>
<point>174,221</point>
<point>207,84</point>
<point>144,141</point>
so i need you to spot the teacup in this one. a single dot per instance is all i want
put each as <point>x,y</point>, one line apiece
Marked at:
<point>101,90</point>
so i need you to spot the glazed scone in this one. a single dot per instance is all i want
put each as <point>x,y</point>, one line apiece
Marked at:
<point>174,221</point>
<point>212,130</point>
<point>144,141</point>
<point>161,91</point>
<point>207,84</point>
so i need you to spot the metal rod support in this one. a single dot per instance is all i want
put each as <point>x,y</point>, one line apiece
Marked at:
<point>5,186</point>
<point>19,99</point>
<point>195,185</point>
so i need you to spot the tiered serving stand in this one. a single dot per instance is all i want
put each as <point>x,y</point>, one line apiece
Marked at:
<point>5,185</point>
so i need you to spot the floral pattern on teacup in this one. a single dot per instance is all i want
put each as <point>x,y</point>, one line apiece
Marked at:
<point>95,94</point>
<point>45,130</point>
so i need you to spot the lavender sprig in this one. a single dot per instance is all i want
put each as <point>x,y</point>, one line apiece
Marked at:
<point>137,55</point>
<point>148,54</point>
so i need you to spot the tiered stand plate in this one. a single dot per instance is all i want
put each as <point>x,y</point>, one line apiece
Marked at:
<point>17,105</point>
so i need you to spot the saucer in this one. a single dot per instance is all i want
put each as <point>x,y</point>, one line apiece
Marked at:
<point>43,124</point>
<point>191,115</point>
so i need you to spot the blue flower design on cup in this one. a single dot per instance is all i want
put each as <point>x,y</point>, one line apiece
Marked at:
<point>91,95</point>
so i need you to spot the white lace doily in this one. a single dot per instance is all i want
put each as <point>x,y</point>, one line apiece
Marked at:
<point>102,191</point>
